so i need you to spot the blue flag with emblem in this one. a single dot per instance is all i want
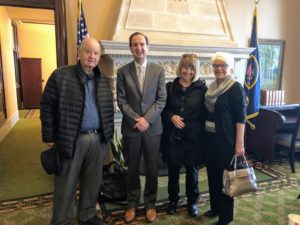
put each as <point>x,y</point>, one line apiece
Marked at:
<point>252,78</point>
<point>81,25</point>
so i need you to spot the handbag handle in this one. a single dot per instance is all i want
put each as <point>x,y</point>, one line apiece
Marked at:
<point>114,166</point>
<point>234,160</point>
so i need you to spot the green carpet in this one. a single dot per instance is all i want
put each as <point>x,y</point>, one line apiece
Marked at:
<point>21,172</point>
<point>22,177</point>
<point>267,208</point>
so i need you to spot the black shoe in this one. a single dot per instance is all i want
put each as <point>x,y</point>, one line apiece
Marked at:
<point>222,223</point>
<point>193,210</point>
<point>210,213</point>
<point>172,206</point>
<point>93,221</point>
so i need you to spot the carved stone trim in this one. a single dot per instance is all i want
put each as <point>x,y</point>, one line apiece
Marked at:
<point>122,48</point>
<point>191,22</point>
<point>116,54</point>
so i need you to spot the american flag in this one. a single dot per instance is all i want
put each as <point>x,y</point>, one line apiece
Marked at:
<point>81,25</point>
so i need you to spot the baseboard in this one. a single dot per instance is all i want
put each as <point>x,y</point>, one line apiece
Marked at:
<point>8,125</point>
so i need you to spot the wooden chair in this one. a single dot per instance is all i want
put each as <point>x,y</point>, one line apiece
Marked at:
<point>288,137</point>
<point>260,143</point>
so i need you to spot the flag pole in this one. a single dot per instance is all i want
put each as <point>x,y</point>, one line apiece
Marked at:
<point>81,25</point>
<point>252,76</point>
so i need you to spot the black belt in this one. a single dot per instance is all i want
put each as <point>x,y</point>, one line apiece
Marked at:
<point>90,131</point>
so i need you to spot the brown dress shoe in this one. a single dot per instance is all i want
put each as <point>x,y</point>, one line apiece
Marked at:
<point>130,215</point>
<point>151,215</point>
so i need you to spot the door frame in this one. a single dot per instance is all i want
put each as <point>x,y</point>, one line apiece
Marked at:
<point>59,8</point>
<point>16,63</point>
<point>4,104</point>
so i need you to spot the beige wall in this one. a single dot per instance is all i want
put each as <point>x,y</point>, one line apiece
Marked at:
<point>277,20</point>
<point>43,37</point>
<point>44,16</point>
<point>8,73</point>
<point>101,18</point>
<point>7,62</point>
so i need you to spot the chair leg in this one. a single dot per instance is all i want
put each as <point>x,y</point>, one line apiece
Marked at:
<point>292,159</point>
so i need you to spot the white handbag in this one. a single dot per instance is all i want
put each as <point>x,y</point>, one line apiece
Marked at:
<point>239,181</point>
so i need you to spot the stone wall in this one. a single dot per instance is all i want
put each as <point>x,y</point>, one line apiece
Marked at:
<point>190,22</point>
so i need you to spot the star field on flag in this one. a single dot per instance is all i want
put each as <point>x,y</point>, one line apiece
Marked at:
<point>81,25</point>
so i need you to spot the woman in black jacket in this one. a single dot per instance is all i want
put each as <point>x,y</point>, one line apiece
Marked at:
<point>183,119</point>
<point>224,132</point>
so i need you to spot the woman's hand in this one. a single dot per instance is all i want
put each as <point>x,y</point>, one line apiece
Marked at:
<point>239,148</point>
<point>239,143</point>
<point>177,121</point>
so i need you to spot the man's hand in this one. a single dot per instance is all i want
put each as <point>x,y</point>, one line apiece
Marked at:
<point>141,124</point>
<point>50,144</point>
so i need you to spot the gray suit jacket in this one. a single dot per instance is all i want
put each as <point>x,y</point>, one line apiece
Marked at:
<point>133,103</point>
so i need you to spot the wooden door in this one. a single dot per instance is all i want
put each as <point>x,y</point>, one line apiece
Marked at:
<point>31,82</point>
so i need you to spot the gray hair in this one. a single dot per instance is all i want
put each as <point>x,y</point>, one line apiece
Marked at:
<point>190,60</point>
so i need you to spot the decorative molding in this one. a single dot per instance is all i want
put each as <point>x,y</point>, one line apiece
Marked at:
<point>117,54</point>
<point>192,22</point>
<point>122,48</point>
<point>45,4</point>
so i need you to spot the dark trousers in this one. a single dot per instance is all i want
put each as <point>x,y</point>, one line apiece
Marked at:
<point>217,159</point>
<point>191,183</point>
<point>148,146</point>
<point>85,167</point>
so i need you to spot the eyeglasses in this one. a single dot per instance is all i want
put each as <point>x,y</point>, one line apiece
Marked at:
<point>222,66</point>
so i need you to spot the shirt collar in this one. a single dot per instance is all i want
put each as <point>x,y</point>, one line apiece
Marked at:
<point>143,65</point>
<point>83,75</point>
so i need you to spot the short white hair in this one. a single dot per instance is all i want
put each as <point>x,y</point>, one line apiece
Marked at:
<point>224,57</point>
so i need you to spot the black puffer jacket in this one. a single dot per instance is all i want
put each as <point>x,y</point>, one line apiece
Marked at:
<point>62,107</point>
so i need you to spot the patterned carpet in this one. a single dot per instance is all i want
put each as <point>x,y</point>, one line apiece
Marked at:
<point>273,202</point>
<point>268,178</point>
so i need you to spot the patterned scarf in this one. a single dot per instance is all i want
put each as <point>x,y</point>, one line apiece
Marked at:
<point>214,91</point>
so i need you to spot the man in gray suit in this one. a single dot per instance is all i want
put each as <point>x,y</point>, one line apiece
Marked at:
<point>141,97</point>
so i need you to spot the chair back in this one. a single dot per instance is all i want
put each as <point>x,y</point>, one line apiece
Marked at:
<point>288,136</point>
<point>296,133</point>
<point>295,130</point>
<point>261,141</point>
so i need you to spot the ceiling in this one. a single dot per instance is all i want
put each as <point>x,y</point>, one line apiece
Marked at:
<point>30,15</point>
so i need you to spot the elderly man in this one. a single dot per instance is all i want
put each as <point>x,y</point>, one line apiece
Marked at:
<point>77,117</point>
